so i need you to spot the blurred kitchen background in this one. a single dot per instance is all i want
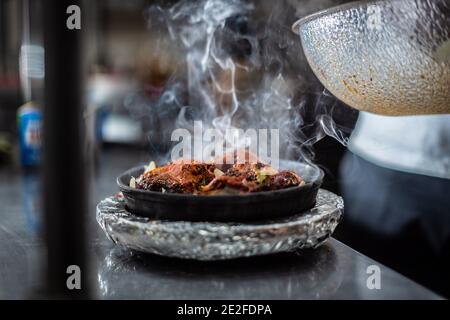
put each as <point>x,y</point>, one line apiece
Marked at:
<point>131,61</point>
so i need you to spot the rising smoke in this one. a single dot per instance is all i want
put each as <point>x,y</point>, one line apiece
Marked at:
<point>243,68</point>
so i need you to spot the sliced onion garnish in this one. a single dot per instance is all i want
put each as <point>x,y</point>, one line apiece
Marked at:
<point>260,178</point>
<point>133,182</point>
<point>268,171</point>
<point>151,166</point>
<point>218,173</point>
<point>264,172</point>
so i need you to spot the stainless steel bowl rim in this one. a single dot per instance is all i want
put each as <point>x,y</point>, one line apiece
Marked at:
<point>329,11</point>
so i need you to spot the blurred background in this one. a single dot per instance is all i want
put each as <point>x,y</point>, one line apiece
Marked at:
<point>132,60</point>
<point>137,83</point>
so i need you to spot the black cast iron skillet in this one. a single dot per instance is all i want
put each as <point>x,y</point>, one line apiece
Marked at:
<point>226,208</point>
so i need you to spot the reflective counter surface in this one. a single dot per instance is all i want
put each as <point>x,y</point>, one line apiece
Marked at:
<point>333,271</point>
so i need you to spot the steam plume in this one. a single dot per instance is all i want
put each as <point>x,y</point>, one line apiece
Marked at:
<point>241,71</point>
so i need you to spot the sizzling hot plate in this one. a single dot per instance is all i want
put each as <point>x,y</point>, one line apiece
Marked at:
<point>227,208</point>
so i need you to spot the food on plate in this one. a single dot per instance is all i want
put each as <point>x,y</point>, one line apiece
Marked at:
<point>191,177</point>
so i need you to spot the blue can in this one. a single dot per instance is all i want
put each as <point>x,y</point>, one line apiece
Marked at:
<point>29,123</point>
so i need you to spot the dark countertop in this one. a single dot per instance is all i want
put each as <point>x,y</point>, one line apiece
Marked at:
<point>333,271</point>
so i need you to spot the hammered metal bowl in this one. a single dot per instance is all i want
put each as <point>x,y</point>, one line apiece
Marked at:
<point>385,57</point>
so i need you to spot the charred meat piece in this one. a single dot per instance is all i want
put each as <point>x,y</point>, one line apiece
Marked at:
<point>247,171</point>
<point>253,178</point>
<point>280,180</point>
<point>177,177</point>
<point>242,177</point>
<point>233,182</point>
<point>230,159</point>
<point>206,178</point>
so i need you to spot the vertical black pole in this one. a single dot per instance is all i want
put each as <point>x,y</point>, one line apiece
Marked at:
<point>3,35</point>
<point>64,177</point>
